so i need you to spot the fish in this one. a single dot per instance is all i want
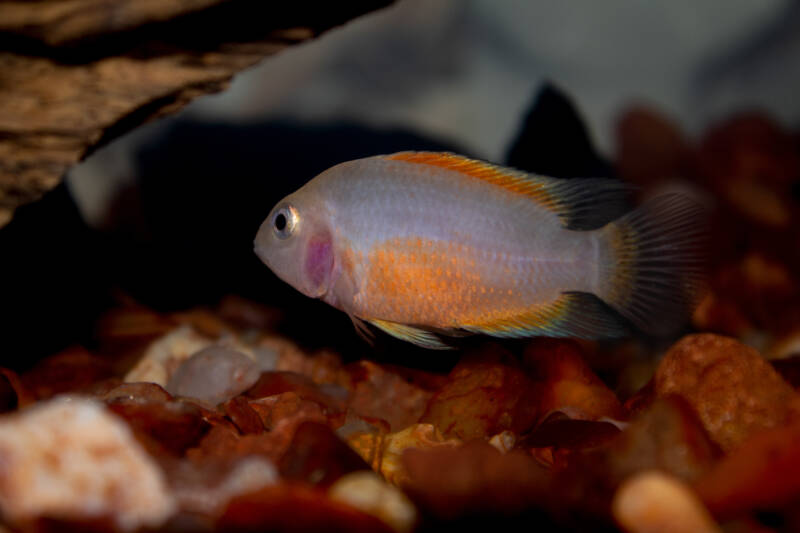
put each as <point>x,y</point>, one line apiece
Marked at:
<point>431,245</point>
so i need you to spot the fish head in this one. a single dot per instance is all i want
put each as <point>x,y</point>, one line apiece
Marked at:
<point>295,242</point>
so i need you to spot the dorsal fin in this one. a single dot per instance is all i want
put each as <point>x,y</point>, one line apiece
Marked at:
<point>582,204</point>
<point>590,203</point>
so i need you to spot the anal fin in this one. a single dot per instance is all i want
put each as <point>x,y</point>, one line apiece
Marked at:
<point>417,336</point>
<point>573,314</point>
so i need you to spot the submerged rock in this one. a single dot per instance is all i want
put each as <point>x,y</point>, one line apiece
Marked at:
<point>734,391</point>
<point>485,393</point>
<point>214,375</point>
<point>568,384</point>
<point>70,459</point>
<point>381,394</point>
<point>762,474</point>
<point>206,489</point>
<point>165,354</point>
<point>654,502</point>
<point>367,492</point>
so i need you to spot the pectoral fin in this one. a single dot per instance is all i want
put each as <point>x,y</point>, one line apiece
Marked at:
<point>362,329</point>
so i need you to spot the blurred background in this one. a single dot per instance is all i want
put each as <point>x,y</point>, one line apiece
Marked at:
<point>166,215</point>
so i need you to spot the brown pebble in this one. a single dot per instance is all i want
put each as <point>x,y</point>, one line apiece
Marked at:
<point>734,391</point>
<point>650,147</point>
<point>244,417</point>
<point>654,502</point>
<point>486,393</point>
<point>764,473</point>
<point>668,437</point>
<point>379,393</point>
<point>568,382</point>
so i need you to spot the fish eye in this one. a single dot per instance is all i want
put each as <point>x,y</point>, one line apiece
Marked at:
<point>280,222</point>
<point>284,221</point>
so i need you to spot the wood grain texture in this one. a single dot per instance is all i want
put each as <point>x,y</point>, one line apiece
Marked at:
<point>75,74</point>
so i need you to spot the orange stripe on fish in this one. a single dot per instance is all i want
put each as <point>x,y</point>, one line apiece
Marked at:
<point>513,181</point>
<point>581,204</point>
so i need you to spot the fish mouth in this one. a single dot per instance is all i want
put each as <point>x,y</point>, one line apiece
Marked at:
<point>261,253</point>
<point>260,244</point>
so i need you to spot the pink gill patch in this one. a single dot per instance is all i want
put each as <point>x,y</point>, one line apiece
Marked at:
<point>319,261</point>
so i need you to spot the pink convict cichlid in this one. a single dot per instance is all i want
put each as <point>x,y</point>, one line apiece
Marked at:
<point>421,244</point>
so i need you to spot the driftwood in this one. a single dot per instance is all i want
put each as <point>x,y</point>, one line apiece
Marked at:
<point>74,74</point>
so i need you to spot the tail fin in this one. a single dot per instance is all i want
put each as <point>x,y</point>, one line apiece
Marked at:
<point>654,265</point>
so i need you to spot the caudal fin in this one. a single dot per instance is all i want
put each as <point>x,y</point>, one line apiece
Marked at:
<point>653,269</point>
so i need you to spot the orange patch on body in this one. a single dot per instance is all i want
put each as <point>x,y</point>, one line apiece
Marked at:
<point>420,281</point>
<point>440,287</point>
<point>516,182</point>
